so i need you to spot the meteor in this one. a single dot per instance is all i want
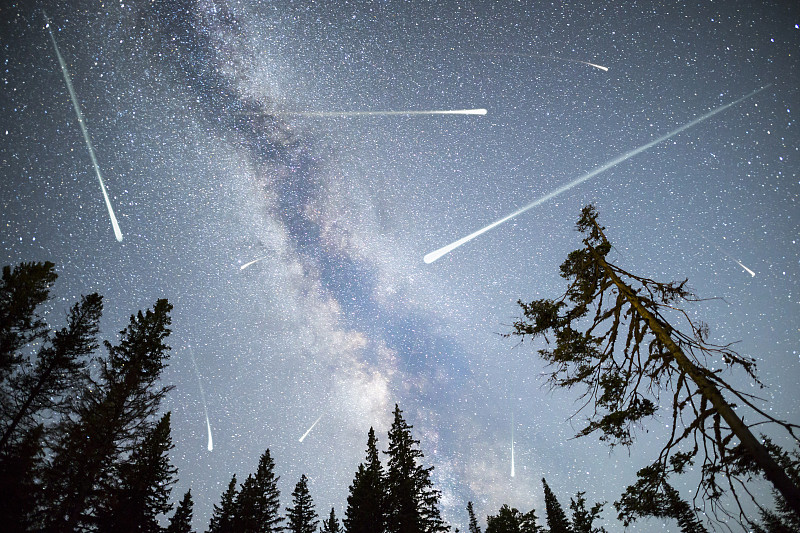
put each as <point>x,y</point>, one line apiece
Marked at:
<point>203,396</point>
<point>726,254</point>
<point>309,429</point>
<point>254,261</point>
<point>82,123</point>
<point>433,256</point>
<point>512,444</point>
<point>601,67</point>
<point>381,113</point>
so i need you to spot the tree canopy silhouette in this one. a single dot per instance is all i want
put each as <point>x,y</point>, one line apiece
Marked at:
<point>613,335</point>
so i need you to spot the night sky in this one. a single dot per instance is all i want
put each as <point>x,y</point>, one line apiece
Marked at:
<point>191,108</point>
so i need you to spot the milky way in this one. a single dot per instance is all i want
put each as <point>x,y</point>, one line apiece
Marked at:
<point>291,246</point>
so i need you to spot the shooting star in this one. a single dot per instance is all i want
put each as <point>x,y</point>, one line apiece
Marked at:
<point>726,254</point>
<point>381,113</point>
<point>253,262</point>
<point>203,396</point>
<point>512,444</point>
<point>433,256</point>
<point>554,58</point>
<point>82,123</point>
<point>309,429</point>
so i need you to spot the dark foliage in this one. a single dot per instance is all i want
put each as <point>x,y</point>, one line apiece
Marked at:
<point>181,521</point>
<point>611,335</point>
<point>582,518</point>
<point>556,518</point>
<point>473,522</point>
<point>258,502</point>
<point>366,503</point>
<point>651,495</point>
<point>331,525</point>
<point>301,517</point>
<point>223,516</point>
<point>113,413</point>
<point>412,502</point>
<point>510,520</point>
<point>140,489</point>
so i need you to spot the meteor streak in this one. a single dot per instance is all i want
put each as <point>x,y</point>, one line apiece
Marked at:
<point>380,113</point>
<point>309,429</point>
<point>601,67</point>
<point>82,123</point>
<point>512,444</point>
<point>203,396</point>
<point>433,256</point>
<point>726,254</point>
<point>254,261</point>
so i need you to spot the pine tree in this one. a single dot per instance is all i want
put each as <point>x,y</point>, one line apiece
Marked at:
<point>58,373</point>
<point>224,515</point>
<point>331,525</point>
<point>412,502</point>
<point>108,424</point>
<point>22,291</point>
<point>507,520</point>
<point>41,373</point>
<point>258,502</point>
<point>782,519</point>
<point>626,354</point>
<point>582,518</point>
<point>530,523</point>
<point>473,522</point>
<point>652,495</point>
<point>510,520</point>
<point>301,518</point>
<point>556,519</point>
<point>366,503</point>
<point>144,483</point>
<point>181,521</point>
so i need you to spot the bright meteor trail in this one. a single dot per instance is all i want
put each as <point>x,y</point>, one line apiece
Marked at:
<point>512,444</point>
<point>82,123</point>
<point>309,429</point>
<point>601,67</point>
<point>254,261</point>
<point>380,113</point>
<point>433,256</point>
<point>203,396</point>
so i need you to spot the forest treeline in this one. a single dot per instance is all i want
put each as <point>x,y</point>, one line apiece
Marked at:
<point>85,446</point>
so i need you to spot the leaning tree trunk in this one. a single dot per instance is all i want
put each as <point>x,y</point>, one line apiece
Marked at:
<point>772,470</point>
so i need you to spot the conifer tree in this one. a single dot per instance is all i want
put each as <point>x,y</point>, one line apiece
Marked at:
<point>57,375</point>
<point>302,517</point>
<point>41,373</point>
<point>511,520</point>
<point>258,501</point>
<point>223,516</point>
<point>556,518</point>
<point>366,503</point>
<point>412,502</point>
<point>22,291</point>
<point>331,525</point>
<point>109,422</point>
<point>612,336</point>
<point>653,496</point>
<point>507,520</point>
<point>781,519</point>
<point>473,522</point>
<point>142,486</point>
<point>583,518</point>
<point>181,521</point>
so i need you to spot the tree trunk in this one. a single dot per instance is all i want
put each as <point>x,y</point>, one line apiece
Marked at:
<point>772,471</point>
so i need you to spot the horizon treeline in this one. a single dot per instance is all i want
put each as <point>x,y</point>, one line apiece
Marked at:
<point>85,447</point>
